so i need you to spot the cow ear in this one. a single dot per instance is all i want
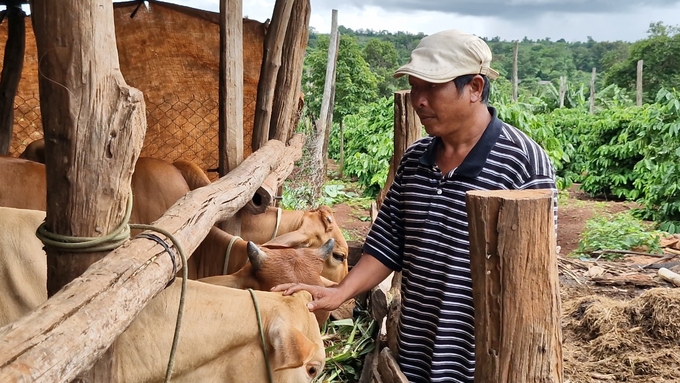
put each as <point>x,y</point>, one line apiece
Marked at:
<point>292,239</point>
<point>292,349</point>
<point>327,217</point>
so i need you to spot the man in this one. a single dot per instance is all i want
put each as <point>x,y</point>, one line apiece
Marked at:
<point>422,226</point>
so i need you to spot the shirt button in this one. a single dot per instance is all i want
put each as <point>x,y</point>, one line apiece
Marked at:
<point>439,191</point>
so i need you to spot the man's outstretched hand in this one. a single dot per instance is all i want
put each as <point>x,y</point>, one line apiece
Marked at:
<point>323,298</point>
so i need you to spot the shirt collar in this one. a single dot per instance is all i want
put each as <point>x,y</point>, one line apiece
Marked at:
<point>474,162</point>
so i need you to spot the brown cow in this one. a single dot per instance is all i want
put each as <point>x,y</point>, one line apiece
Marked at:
<point>276,226</point>
<point>157,185</point>
<point>281,265</point>
<point>224,316</point>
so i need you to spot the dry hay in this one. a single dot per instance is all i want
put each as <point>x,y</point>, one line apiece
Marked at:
<point>608,339</point>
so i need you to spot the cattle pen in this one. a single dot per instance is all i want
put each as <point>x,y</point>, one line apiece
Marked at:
<point>95,127</point>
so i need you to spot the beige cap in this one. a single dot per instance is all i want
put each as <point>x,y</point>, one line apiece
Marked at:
<point>445,55</point>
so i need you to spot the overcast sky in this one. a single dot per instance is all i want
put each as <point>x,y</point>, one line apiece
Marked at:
<point>572,20</point>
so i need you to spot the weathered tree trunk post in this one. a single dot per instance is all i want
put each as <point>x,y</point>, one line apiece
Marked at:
<point>515,286</point>
<point>273,46</point>
<point>563,89</point>
<point>231,96</point>
<point>286,110</point>
<point>592,90</point>
<point>515,79</point>
<point>638,83</point>
<point>12,66</point>
<point>231,86</point>
<point>94,127</point>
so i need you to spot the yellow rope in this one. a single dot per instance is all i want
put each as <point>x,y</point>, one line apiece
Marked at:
<point>88,244</point>
<point>264,343</point>
<point>227,255</point>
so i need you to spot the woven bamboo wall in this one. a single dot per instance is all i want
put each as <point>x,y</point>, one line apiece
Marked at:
<point>171,54</point>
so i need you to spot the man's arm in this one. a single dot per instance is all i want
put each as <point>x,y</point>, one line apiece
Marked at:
<point>365,275</point>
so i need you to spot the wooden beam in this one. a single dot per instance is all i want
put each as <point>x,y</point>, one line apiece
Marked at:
<point>276,34</point>
<point>515,286</point>
<point>70,331</point>
<point>12,65</point>
<point>265,194</point>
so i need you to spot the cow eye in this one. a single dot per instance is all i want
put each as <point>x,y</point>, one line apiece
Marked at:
<point>312,371</point>
<point>339,257</point>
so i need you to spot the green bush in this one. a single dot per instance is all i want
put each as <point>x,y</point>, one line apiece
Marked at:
<point>620,231</point>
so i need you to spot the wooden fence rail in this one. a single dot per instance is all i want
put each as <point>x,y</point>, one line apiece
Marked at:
<point>70,331</point>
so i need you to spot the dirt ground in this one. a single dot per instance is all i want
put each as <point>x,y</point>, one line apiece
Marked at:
<point>620,322</point>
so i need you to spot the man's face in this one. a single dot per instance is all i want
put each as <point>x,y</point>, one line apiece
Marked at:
<point>440,107</point>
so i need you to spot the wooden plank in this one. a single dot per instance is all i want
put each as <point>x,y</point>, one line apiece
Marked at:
<point>12,65</point>
<point>72,329</point>
<point>515,286</point>
<point>274,40</point>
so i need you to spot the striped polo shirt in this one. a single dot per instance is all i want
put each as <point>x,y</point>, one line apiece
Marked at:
<point>422,230</point>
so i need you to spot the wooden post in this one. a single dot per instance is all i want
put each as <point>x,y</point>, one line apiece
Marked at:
<point>515,286</point>
<point>231,86</point>
<point>94,126</point>
<point>515,79</point>
<point>71,330</point>
<point>286,112</point>
<point>563,89</point>
<point>331,108</point>
<point>320,128</point>
<point>271,63</point>
<point>231,96</point>
<point>638,83</point>
<point>407,129</point>
<point>12,65</point>
<point>592,91</point>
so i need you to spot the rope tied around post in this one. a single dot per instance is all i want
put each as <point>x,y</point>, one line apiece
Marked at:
<point>88,244</point>
<point>112,241</point>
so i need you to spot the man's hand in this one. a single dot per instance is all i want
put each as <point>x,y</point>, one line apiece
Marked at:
<point>323,298</point>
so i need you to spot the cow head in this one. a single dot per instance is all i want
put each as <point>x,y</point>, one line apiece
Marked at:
<point>273,265</point>
<point>295,345</point>
<point>316,228</point>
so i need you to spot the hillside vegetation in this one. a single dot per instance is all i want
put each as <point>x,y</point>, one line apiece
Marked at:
<point>621,151</point>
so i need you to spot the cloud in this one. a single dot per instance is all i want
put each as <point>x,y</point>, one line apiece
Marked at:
<point>508,9</point>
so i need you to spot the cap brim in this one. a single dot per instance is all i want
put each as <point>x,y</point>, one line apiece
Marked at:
<point>410,71</point>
